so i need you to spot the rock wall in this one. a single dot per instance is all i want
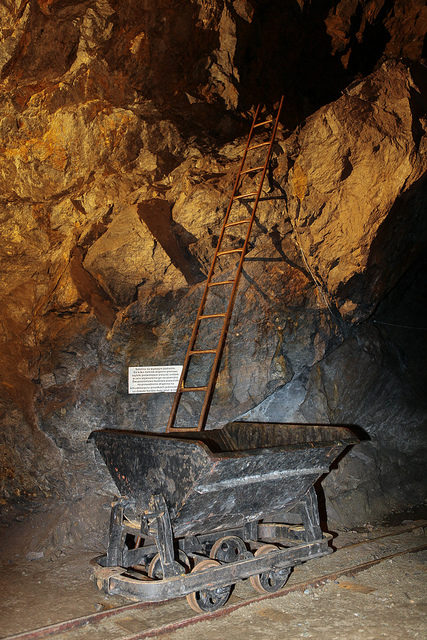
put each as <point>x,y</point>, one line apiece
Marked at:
<point>122,125</point>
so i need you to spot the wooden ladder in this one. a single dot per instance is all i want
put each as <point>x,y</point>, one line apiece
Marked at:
<point>202,317</point>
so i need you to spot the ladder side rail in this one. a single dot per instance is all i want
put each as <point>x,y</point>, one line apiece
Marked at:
<point>230,204</point>
<point>221,342</point>
<point>178,393</point>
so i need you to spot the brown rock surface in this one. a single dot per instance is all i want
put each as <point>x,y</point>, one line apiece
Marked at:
<point>355,161</point>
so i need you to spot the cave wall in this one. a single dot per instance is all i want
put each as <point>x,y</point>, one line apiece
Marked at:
<point>122,124</point>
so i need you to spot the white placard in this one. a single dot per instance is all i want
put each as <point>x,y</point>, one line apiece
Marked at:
<point>154,379</point>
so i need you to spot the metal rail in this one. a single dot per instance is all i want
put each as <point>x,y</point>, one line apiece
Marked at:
<point>90,621</point>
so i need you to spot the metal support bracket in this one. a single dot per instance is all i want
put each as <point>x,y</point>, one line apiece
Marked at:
<point>159,526</point>
<point>250,530</point>
<point>117,536</point>
<point>309,510</point>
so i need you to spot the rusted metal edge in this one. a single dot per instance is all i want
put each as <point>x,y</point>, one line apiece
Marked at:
<point>226,574</point>
<point>75,623</point>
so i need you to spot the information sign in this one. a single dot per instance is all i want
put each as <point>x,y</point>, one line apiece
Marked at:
<point>154,379</point>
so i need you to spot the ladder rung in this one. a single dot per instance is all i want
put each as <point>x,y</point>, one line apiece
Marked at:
<point>256,174</point>
<point>192,389</point>
<point>216,284</point>
<point>196,352</point>
<point>233,224</point>
<point>245,195</point>
<point>212,315</point>
<point>259,124</point>
<point>251,170</point>
<point>256,146</point>
<point>224,253</point>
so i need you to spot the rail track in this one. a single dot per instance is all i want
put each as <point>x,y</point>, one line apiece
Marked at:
<point>142,619</point>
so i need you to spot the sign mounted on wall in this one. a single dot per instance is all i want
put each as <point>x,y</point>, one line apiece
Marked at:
<point>154,379</point>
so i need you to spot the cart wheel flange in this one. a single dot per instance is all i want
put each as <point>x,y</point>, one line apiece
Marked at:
<point>228,549</point>
<point>208,599</point>
<point>155,569</point>
<point>269,581</point>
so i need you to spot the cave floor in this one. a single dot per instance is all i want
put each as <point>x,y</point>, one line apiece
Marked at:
<point>386,600</point>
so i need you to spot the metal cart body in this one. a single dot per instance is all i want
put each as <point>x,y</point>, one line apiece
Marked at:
<point>181,493</point>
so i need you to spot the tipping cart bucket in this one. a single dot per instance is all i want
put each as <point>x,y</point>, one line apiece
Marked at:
<point>221,478</point>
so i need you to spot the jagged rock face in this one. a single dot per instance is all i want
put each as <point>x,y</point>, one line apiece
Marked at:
<point>360,160</point>
<point>122,128</point>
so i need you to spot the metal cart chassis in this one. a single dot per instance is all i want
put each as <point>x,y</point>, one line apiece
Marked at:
<point>120,571</point>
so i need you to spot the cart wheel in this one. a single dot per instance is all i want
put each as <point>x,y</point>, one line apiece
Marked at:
<point>209,599</point>
<point>228,549</point>
<point>155,567</point>
<point>269,581</point>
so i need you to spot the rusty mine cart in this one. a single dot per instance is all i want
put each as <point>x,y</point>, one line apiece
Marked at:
<point>201,510</point>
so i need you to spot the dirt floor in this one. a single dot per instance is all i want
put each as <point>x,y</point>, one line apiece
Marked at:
<point>388,600</point>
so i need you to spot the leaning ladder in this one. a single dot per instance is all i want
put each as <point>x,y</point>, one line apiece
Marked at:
<point>233,282</point>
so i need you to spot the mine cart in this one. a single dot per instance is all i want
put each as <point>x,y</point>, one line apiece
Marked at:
<point>200,510</point>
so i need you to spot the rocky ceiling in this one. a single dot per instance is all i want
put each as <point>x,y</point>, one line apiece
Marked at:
<point>121,127</point>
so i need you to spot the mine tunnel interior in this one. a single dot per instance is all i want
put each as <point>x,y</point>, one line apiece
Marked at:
<point>123,125</point>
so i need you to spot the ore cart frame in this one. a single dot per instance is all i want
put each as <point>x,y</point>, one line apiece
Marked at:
<point>227,504</point>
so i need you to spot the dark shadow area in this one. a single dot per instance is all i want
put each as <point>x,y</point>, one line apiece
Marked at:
<point>401,241</point>
<point>173,238</point>
<point>286,50</point>
<point>364,53</point>
<point>418,101</point>
<point>417,512</point>
<point>402,323</point>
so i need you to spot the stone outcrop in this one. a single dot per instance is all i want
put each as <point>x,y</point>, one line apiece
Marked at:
<point>358,163</point>
<point>121,130</point>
